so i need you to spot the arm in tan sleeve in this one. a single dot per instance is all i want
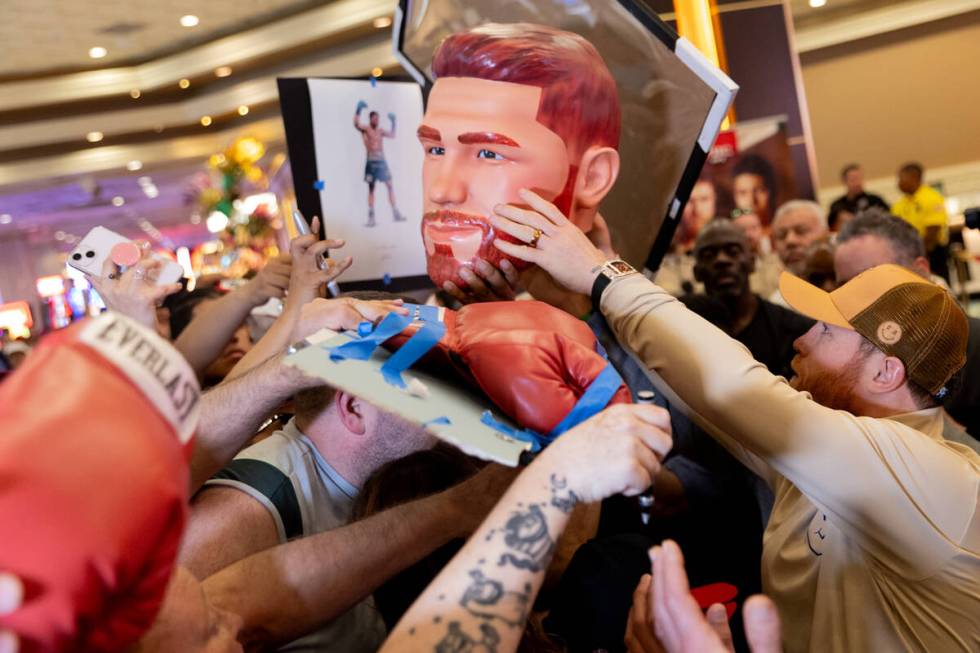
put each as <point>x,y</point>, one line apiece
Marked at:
<point>875,475</point>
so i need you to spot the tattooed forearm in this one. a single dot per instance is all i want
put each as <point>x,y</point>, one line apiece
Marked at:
<point>526,534</point>
<point>459,641</point>
<point>487,598</point>
<point>561,497</point>
<point>482,600</point>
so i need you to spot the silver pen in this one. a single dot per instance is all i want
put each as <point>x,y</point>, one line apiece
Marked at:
<point>302,229</point>
<point>645,499</point>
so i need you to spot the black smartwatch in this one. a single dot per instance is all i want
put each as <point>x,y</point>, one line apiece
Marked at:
<point>607,272</point>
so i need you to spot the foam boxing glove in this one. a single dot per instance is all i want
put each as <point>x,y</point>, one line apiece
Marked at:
<point>531,359</point>
<point>94,482</point>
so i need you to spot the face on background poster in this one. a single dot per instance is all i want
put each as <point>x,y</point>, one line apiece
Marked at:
<point>668,109</point>
<point>748,175</point>
<point>360,150</point>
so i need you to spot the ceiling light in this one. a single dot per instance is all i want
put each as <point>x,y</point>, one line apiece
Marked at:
<point>93,137</point>
<point>377,72</point>
<point>195,218</point>
<point>816,4</point>
<point>145,181</point>
<point>97,52</point>
<point>190,20</point>
<point>206,120</point>
<point>184,83</point>
<point>243,110</point>
<point>59,235</point>
<point>118,200</point>
<point>6,218</point>
<point>382,22</point>
<point>134,165</point>
<point>135,94</point>
<point>151,191</point>
<point>222,71</point>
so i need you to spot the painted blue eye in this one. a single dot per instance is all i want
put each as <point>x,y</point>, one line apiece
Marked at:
<point>490,155</point>
<point>435,150</point>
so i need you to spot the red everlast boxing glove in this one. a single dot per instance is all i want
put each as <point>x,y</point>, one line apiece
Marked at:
<point>97,427</point>
<point>531,359</point>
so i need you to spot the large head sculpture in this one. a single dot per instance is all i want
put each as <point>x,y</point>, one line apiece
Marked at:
<point>513,106</point>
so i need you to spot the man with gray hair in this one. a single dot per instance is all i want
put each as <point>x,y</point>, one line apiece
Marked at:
<point>874,238</point>
<point>798,225</point>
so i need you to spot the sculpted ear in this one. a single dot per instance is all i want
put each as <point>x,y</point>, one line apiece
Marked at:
<point>597,173</point>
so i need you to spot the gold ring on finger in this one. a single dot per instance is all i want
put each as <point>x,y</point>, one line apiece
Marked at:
<point>535,237</point>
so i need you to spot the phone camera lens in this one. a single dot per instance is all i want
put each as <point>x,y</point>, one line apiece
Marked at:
<point>90,254</point>
<point>77,256</point>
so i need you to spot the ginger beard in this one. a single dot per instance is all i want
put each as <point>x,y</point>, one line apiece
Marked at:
<point>483,143</point>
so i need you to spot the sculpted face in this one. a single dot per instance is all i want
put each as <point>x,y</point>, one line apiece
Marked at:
<point>483,143</point>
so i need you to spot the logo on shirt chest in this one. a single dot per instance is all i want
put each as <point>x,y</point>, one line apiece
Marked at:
<point>817,533</point>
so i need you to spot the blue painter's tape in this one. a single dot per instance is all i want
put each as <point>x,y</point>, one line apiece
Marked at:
<point>318,184</point>
<point>596,397</point>
<point>365,328</point>
<point>417,346</point>
<point>362,348</point>
<point>536,440</point>
<point>386,279</point>
<point>439,420</point>
<point>374,81</point>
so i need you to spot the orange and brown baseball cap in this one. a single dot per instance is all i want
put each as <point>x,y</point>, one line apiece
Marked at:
<point>901,313</point>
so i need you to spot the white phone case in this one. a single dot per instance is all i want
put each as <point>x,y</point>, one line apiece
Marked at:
<point>92,251</point>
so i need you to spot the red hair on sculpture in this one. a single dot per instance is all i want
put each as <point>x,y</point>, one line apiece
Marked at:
<point>579,101</point>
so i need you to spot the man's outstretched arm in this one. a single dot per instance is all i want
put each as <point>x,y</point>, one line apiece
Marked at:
<point>289,590</point>
<point>233,410</point>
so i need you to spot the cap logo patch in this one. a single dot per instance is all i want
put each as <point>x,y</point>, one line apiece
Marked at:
<point>889,332</point>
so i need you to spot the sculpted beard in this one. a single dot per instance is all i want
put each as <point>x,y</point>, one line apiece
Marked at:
<point>454,240</point>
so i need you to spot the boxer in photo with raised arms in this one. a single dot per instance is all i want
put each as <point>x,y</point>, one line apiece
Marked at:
<point>376,168</point>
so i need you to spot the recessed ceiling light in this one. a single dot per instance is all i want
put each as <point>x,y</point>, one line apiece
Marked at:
<point>377,72</point>
<point>184,83</point>
<point>243,110</point>
<point>382,22</point>
<point>97,52</point>
<point>93,137</point>
<point>222,71</point>
<point>59,235</point>
<point>134,165</point>
<point>135,94</point>
<point>6,218</point>
<point>118,200</point>
<point>816,4</point>
<point>144,181</point>
<point>190,20</point>
<point>206,120</point>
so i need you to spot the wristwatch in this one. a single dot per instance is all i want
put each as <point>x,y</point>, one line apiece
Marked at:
<point>608,271</point>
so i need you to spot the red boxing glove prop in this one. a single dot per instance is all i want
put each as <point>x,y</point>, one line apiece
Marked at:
<point>531,359</point>
<point>93,482</point>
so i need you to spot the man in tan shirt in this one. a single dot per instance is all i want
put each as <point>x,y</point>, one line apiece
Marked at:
<point>874,540</point>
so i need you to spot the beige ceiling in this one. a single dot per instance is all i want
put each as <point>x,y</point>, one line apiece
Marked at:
<point>38,36</point>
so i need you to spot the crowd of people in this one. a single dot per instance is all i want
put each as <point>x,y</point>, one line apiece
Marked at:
<point>807,439</point>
